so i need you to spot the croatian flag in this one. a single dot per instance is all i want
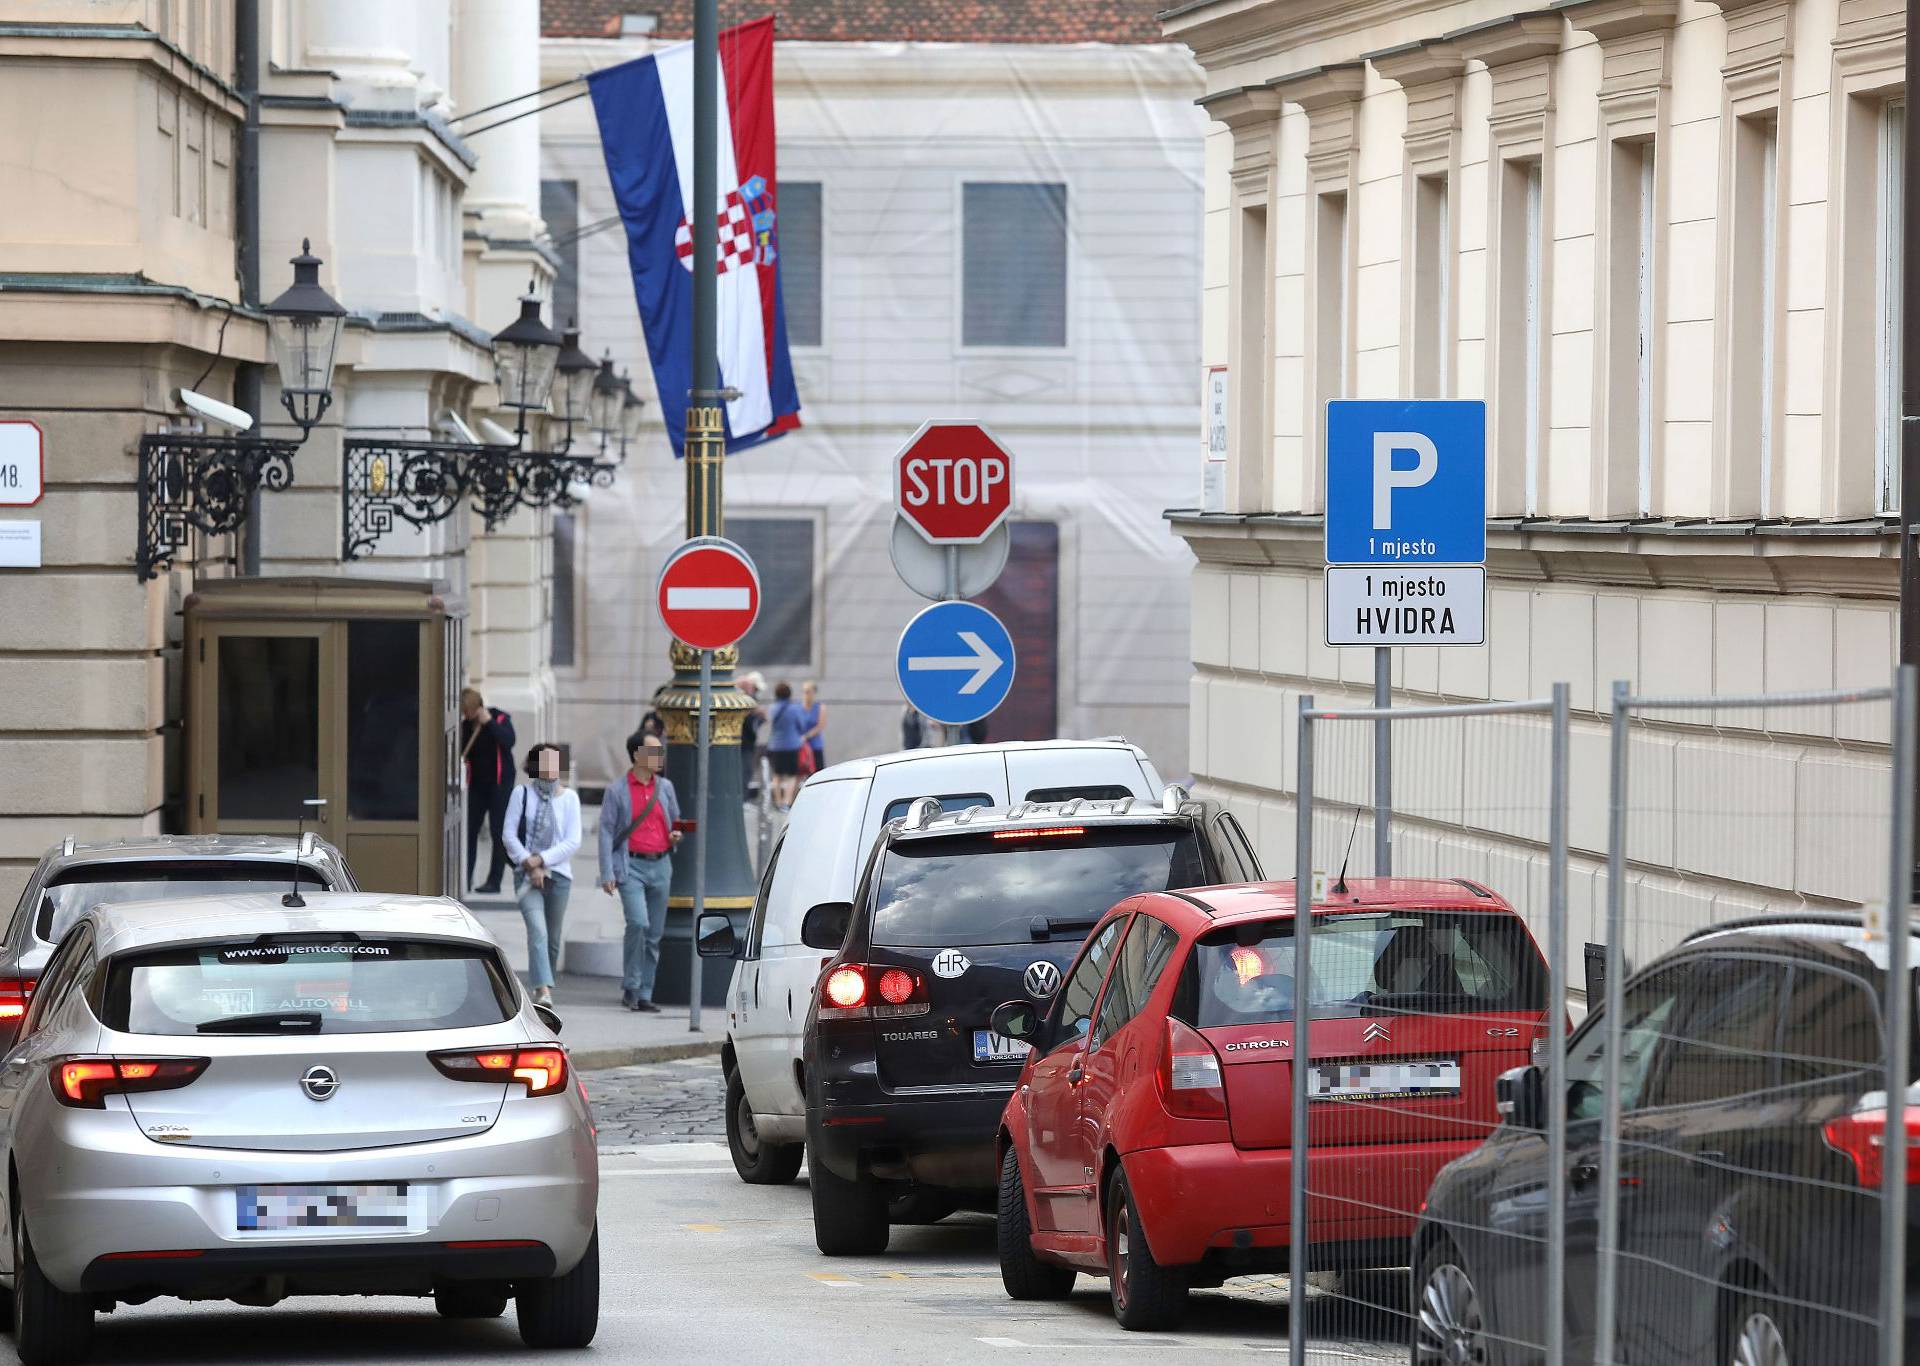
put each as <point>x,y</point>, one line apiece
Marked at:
<point>645,109</point>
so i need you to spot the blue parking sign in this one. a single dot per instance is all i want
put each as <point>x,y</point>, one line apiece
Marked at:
<point>1407,481</point>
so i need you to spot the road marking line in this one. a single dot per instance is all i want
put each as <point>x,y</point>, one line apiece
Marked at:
<point>834,1279</point>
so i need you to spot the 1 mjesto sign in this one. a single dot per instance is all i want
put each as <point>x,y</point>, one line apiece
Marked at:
<point>1442,605</point>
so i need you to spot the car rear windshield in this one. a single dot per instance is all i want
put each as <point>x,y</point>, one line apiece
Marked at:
<point>317,986</point>
<point>1409,962</point>
<point>79,890</point>
<point>991,887</point>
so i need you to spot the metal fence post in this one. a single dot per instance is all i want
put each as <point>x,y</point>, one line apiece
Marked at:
<point>1899,927</point>
<point>1556,1334</point>
<point>1606,1293</point>
<point>1383,764</point>
<point>1302,1016</point>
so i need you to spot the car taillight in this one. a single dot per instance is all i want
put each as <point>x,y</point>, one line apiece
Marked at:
<point>85,1083</point>
<point>543,1071</point>
<point>1190,1080</point>
<point>1045,832</point>
<point>16,994</point>
<point>1862,1136</point>
<point>862,991</point>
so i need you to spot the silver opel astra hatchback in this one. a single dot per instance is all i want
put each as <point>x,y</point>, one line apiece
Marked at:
<point>235,1098</point>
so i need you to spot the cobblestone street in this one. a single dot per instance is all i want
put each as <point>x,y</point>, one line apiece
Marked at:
<point>662,1102</point>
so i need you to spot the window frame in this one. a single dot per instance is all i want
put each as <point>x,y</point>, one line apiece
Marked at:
<point>1679,1035</point>
<point>1068,295</point>
<point>1104,1028</point>
<point>1056,1019</point>
<point>814,663</point>
<point>578,668</point>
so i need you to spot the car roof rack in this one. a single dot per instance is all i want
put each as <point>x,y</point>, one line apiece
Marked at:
<point>309,844</point>
<point>1173,799</point>
<point>920,815</point>
<point>66,847</point>
<point>1475,888</point>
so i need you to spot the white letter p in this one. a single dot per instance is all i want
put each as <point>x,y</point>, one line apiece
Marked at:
<point>1386,478</point>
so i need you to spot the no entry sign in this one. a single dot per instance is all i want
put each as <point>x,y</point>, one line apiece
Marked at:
<point>708,593</point>
<point>953,483</point>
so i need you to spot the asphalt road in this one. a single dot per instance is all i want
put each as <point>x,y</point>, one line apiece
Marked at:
<point>697,1267</point>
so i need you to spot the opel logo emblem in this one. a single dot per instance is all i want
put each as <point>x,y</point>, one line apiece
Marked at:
<point>1374,1033</point>
<point>319,1082</point>
<point>1043,979</point>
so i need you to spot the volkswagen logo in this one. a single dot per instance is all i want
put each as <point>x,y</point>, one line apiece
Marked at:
<point>1375,1033</point>
<point>319,1082</point>
<point>1043,979</point>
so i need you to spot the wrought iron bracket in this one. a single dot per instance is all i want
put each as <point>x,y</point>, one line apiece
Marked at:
<point>190,482</point>
<point>423,482</point>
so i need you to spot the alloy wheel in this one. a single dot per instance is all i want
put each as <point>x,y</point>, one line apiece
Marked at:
<point>1118,1246</point>
<point>1760,1342</point>
<point>1451,1330</point>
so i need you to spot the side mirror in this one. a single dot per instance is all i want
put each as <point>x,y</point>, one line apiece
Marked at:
<point>548,1016</point>
<point>714,935</point>
<point>1015,1020</point>
<point>1519,1095</point>
<point>825,926</point>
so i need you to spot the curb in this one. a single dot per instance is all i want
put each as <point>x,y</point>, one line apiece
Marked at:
<point>600,1059</point>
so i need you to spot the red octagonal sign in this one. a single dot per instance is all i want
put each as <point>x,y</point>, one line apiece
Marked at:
<point>708,593</point>
<point>953,482</point>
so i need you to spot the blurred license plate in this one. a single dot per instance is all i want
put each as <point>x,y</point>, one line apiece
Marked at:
<point>991,1047</point>
<point>280,1207</point>
<point>1375,1080</point>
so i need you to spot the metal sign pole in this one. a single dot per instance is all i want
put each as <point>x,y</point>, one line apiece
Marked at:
<point>1382,764</point>
<point>1297,1260</point>
<point>955,734</point>
<point>704,764</point>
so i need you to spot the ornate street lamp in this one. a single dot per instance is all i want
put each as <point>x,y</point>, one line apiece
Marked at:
<point>604,408</point>
<point>633,411</point>
<point>573,388</point>
<point>303,325</point>
<point>525,354</point>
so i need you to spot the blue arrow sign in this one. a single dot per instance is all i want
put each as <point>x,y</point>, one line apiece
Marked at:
<point>955,662</point>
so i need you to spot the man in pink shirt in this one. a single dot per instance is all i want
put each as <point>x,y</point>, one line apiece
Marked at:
<point>637,838</point>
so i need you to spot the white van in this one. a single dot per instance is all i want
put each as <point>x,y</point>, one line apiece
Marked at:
<point>819,858</point>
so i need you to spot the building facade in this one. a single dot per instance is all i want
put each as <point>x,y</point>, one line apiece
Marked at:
<point>1660,239</point>
<point>1004,228</point>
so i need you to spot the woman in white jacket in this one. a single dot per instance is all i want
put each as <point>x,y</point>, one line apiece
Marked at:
<point>541,831</point>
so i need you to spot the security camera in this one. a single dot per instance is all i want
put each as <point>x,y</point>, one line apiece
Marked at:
<point>495,433</point>
<point>215,411</point>
<point>450,422</point>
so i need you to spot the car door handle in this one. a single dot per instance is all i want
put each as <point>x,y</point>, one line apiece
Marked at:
<point>1584,1173</point>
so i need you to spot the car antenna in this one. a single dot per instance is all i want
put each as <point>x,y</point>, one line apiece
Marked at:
<point>1340,883</point>
<point>293,899</point>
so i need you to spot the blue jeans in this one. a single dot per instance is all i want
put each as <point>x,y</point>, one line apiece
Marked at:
<point>545,911</point>
<point>643,900</point>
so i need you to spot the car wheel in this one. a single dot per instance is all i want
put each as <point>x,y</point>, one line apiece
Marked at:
<point>475,1300</point>
<point>920,1207</point>
<point>562,1311</point>
<point>849,1217</point>
<point>1758,1334</point>
<point>1024,1275</point>
<point>50,1326</point>
<point>759,1162</point>
<point>1450,1327</point>
<point>1146,1295</point>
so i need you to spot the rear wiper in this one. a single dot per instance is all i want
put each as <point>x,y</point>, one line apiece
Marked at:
<point>1043,928</point>
<point>266,1022</point>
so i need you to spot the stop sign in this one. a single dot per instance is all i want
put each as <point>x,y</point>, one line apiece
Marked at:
<point>953,482</point>
<point>708,592</point>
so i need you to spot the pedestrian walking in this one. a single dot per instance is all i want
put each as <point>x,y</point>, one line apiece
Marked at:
<point>752,684</point>
<point>913,731</point>
<point>637,837</point>
<point>786,737</point>
<point>814,713</point>
<point>486,747</point>
<point>542,832</point>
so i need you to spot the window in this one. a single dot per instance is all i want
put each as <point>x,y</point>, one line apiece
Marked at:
<point>1143,957</point>
<point>1649,1008</point>
<point>268,726</point>
<point>782,550</point>
<point>564,649</point>
<point>1890,229</point>
<point>1014,266</point>
<point>1095,792</point>
<point>1235,849</point>
<point>1830,1030</point>
<point>798,223</point>
<point>560,207</point>
<point>1432,288</point>
<point>1751,310</point>
<point>1532,338</point>
<point>757,925</point>
<point>73,954</point>
<point>1725,1040</point>
<point>1074,1006</point>
<point>79,890</point>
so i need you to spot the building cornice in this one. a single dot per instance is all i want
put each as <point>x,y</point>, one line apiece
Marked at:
<point>118,42</point>
<point>1518,38</point>
<point>1610,19</point>
<point>1416,64</point>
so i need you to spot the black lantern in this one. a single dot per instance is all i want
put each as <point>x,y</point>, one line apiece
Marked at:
<point>604,415</point>
<point>573,396</point>
<point>304,327</point>
<point>525,353</point>
<point>633,410</point>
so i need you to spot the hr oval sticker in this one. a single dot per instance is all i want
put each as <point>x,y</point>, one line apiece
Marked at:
<point>950,963</point>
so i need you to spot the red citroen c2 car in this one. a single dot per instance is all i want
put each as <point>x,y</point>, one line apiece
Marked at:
<point>1149,1137</point>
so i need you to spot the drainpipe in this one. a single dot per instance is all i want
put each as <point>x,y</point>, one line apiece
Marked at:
<point>247,378</point>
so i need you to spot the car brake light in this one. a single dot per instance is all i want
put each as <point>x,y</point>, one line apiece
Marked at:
<point>85,1083</point>
<point>864,991</point>
<point>16,994</point>
<point>543,1071</point>
<point>1045,832</point>
<point>1190,1080</point>
<point>1862,1136</point>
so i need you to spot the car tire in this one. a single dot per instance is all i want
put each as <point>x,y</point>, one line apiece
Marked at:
<point>50,1326</point>
<point>470,1300</point>
<point>1758,1333</point>
<point>1449,1316</point>
<point>562,1311</point>
<point>1146,1295</point>
<point>920,1206</point>
<point>759,1162</point>
<point>849,1217</point>
<point>1024,1275</point>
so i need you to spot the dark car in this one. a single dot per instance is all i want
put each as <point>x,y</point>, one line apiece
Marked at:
<point>73,877</point>
<point>905,1081</point>
<point>1754,1116</point>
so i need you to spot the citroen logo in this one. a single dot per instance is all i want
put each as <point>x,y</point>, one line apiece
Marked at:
<point>1042,979</point>
<point>1375,1032</point>
<point>319,1082</point>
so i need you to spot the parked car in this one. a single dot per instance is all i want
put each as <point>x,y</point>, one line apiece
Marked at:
<point>817,861</point>
<point>1150,1137</point>
<point>227,1098</point>
<point>1754,1118</point>
<point>905,1080</point>
<point>74,876</point>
